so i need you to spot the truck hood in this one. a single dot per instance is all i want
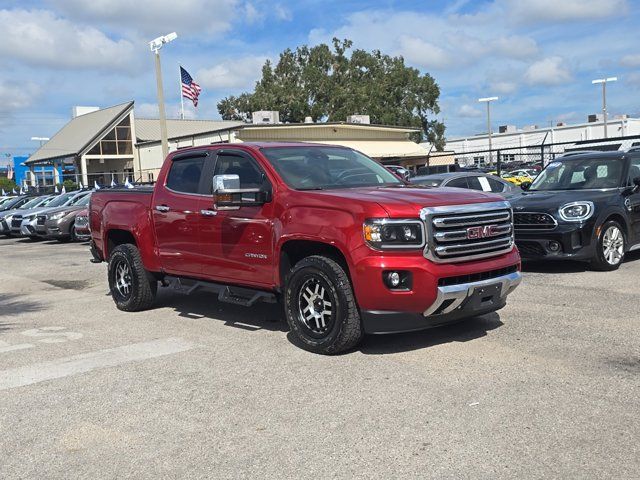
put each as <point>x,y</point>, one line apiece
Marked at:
<point>408,201</point>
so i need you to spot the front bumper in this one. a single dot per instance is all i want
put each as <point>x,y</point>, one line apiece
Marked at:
<point>576,242</point>
<point>28,228</point>
<point>453,303</point>
<point>5,226</point>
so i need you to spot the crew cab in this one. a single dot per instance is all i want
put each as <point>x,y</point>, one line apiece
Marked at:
<point>348,247</point>
<point>583,207</point>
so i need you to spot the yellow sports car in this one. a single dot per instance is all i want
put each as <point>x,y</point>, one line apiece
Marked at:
<point>516,180</point>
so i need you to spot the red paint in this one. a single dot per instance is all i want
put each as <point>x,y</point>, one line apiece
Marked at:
<point>243,246</point>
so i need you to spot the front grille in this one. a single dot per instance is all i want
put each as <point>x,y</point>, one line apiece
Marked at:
<point>16,221</point>
<point>530,249</point>
<point>464,232</point>
<point>41,220</point>
<point>533,221</point>
<point>476,277</point>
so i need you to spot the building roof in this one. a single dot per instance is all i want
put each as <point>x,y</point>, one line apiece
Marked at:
<point>77,135</point>
<point>148,129</point>
<point>356,126</point>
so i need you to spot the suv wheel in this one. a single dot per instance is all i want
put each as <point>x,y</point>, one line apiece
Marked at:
<point>610,247</point>
<point>132,287</point>
<point>72,233</point>
<point>320,307</point>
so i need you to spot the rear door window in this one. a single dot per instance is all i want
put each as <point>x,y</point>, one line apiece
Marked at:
<point>185,174</point>
<point>458,183</point>
<point>496,185</point>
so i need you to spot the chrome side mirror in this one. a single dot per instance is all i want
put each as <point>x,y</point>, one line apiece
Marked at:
<point>226,183</point>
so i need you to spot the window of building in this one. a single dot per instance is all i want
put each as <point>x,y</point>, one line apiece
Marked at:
<point>116,142</point>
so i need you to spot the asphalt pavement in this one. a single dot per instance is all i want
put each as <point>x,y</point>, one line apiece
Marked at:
<point>546,388</point>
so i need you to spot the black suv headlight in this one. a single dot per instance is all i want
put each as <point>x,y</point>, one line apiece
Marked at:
<point>390,234</point>
<point>576,211</point>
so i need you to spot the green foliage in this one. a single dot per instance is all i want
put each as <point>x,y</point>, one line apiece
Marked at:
<point>328,85</point>
<point>7,184</point>
<point>69,185</point>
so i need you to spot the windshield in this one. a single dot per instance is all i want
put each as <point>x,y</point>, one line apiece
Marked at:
<point>60,200</point>
<point>580,174</point>
<point>83,202</point>
<point>318,168</point>
<point>429,182</point>
<point>32,203</point>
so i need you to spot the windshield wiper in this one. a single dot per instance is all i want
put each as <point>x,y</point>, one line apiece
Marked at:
<point>309,188</point>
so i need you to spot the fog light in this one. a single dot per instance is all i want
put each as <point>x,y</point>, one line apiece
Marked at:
<point>554,246</point>
<point>394,279</point>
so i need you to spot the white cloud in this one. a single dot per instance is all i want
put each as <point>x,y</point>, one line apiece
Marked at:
<point>38,37</point>
<point>16,96</point>
<point>529,11</point>
<point>503,87</point>
<point>515,46</point>
<point>423,53</point>
<point>251,13</point>
<point>548,71</point>
<point>237,73</point>
<point>282,13</point>
<point>632,60</point>
<point>155,17</point>
<point>172,110</point>
<point>468,111</point>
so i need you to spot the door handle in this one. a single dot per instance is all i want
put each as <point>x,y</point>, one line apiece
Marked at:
<point>162,208</point>
<point>209,213</point>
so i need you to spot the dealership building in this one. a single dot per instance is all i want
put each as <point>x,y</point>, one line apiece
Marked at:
<point>99,145</point>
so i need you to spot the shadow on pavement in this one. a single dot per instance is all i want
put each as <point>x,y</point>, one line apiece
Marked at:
<point>554,266</point>
<point>567,266</point>
<point>261,316</point>
<point>464,331</point>
<point>11,305</point>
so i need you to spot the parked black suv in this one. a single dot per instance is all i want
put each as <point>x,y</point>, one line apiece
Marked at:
<point>582,207</point>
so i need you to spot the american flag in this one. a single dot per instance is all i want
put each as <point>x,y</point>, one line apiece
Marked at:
<point>190,89</point>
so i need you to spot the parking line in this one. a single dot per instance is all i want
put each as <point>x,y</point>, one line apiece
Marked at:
<point>86,362</point>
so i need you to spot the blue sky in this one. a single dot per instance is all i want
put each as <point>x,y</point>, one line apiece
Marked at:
<point>538,56</point>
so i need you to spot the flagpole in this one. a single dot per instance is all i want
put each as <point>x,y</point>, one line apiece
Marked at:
<point>181,99</point>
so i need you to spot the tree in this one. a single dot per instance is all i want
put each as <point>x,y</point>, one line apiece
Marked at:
<point>328,85</point>
<point>7,185</point>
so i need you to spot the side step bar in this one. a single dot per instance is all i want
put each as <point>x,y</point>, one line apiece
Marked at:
<point>245,297</point>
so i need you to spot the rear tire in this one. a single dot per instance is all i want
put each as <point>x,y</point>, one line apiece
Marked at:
<point>132,288</point>
<point>320,306</point>
<point>610,247</point>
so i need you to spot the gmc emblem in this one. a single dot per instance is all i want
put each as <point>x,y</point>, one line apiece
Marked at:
<point>485,231</point>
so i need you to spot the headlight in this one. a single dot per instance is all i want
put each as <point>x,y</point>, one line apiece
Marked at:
<point>56,216</point>
<point>388,234</point>
<point>28,217</point>
<point>576,211</point>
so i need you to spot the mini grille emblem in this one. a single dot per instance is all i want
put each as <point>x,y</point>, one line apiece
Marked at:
<point>485,231</point>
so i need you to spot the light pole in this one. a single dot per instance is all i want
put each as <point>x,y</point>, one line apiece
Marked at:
<point>488,101</point>
<point>155,46</point>
<point>41,140</point>
<point>604,81</point>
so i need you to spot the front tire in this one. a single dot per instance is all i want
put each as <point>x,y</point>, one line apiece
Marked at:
<point>320,306</point>
<point>132,287</point>
<point>610,247</point>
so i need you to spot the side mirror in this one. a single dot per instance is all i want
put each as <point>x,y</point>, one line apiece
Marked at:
<point>228,195</point>
<point>525,185</point>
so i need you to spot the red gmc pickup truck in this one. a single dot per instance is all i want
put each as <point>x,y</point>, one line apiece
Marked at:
<point>347,246</point>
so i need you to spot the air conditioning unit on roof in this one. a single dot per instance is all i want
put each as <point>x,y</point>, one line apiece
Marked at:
<point>362,119</point>
<point>265,117</point>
